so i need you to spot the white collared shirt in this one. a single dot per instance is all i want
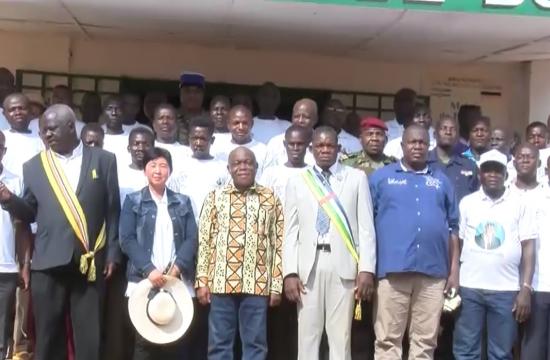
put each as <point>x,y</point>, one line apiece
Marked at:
<point>71,165</point>
<point>164,250</point>
<point>4,124</point>
<point>349,143</point>
<point>395,130</point>
<point>265,129</point>
<point>197,178</point>
<point>20,148</point>
<point>8,263</point>
<point>492,232</point>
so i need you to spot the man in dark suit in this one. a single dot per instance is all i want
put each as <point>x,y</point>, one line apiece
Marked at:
<point>74,252</point>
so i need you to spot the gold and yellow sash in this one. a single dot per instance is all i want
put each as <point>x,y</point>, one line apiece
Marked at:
<point>74,213</point>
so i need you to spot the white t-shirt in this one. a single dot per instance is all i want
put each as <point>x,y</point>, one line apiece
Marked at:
<point>276,178</point>
<point>393,147</point>
<point>21,147</point>
<point>7,245</point>
<point>197,178</point>
<point>129,180</point>
<point>4,124</point>
<point>539,199</point>
<point>348,142</point>
<point>276,153</point>
<point>395,130</point>
<point>180,153</point>
<point>259,150</point>
<point>492,231</point>
<point>541,169</point>
<point>118,145</point>
<point>265,129</point>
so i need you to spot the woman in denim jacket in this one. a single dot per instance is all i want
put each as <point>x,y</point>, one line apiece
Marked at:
<point>158,233</point>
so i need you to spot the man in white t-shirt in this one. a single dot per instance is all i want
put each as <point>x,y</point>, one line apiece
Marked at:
<point>422,117</point>
<point>131,177</point>
<point>537,196</point>
<point>9,267</point>
<point>297,140</point>
<point>116,139</point>
<point>498,232</point>
<point>240,126</point>
<point>202,172</point>
<point>334,115</point>
<point>166,130</point>
<point>7,86</point>
<point>21,143</point>
<point>305,114</point>
<point>403,107</point>
<point>266,124</point>
<point>131,105</point>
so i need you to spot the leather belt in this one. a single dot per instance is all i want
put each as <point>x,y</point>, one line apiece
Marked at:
<point>323,247</point>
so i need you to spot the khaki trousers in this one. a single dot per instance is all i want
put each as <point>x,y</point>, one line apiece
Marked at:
<point>413,299</point>
<point>20,337</point>
<point>327,304</point>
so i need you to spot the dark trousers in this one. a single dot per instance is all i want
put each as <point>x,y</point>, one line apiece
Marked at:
<point>480,308</point>
<point>282,331</point>
<point>8,284</point>
<point>53,292</point>
<point>248,314</point>
<point>144,350</point>
<point>118,331</point>
<point>196,337</point>
<point>362,334</point>
<point>536,336</point>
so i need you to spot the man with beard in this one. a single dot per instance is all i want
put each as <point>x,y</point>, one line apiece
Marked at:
<point>71,191</point>
<point>373,140</point>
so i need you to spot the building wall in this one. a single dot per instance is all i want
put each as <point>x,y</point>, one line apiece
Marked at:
<point>539,88</point>
<point>145,59</point>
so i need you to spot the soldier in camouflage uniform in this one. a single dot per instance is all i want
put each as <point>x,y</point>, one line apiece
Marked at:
<point>191,99</point>
<point>373,139</point>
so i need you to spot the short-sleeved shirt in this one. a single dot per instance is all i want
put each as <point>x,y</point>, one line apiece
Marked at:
<point>362,161</point>
<point>462,173</point>
<point>8,263</point>
<point>492,232</point>
<point>414,215</point>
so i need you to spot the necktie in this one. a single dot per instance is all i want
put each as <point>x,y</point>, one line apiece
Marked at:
<point>322,223</point>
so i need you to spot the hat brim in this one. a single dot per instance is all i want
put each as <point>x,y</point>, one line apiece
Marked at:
<point>161,334</point>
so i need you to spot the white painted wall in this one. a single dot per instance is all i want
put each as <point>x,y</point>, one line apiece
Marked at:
<point>539,90</point>
<point>166,60</point>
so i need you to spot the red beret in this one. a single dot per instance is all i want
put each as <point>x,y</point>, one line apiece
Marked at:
<point>369,122</point>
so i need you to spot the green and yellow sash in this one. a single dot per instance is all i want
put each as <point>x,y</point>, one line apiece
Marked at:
<point>330,203</point>
<point>333,208</point>
<point>74,213</point>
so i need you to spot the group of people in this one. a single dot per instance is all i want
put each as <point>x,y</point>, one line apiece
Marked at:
<point>296,238</point>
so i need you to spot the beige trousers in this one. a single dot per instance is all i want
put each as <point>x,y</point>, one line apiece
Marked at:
<point>20,337</point>
<point>327,304</point>
<point>407,298</point>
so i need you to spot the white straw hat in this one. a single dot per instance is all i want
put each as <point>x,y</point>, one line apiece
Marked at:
<point>162,315</point>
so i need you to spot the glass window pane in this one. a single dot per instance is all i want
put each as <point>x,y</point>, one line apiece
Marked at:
<point>367,101</point>
<point>54,80</point>
<point>32,80</point>
<point>346,99</point>
<point>388,115</point>
<point>79,83</point>
<point>387,102</point>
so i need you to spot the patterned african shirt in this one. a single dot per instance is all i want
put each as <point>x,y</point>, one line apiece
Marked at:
<point>240,242</point>
<point>360,160</point>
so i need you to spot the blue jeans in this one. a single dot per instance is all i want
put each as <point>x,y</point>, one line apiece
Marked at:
<point>248,313</point>
<point>485,309</point>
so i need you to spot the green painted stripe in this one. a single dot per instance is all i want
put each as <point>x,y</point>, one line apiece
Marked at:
<point>527,8</point>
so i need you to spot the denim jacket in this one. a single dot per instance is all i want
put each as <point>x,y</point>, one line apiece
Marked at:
<point>137,232</point>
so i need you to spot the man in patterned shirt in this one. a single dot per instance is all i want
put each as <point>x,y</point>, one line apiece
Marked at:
<point>373,139</point>
<point>239,270</point>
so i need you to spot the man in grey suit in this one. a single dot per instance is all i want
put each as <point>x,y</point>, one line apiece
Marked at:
<point>71,191</point>
<point>329,253</point>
